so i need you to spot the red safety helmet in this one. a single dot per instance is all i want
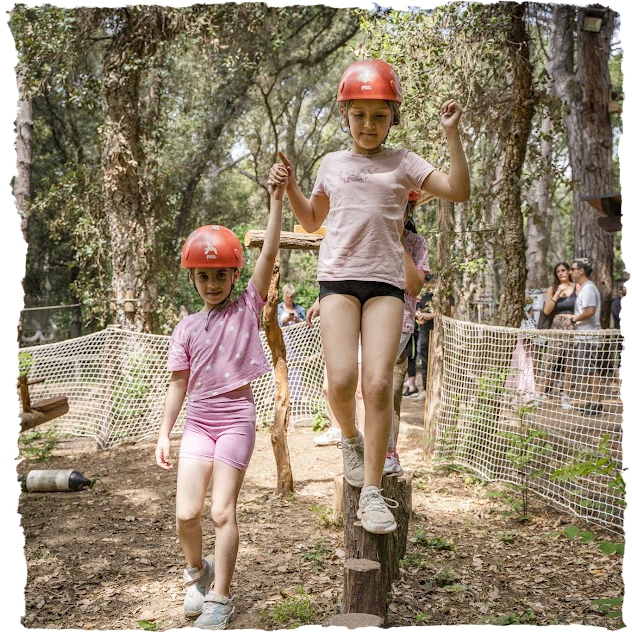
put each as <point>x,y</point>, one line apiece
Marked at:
<point>369,79</point>
<point>212,247</point>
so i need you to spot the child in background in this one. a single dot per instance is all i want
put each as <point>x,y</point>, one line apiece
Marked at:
<point>214,355</point>
<point>363,192</point>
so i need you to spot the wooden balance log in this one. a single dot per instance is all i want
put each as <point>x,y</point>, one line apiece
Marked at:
<point>372,560</point>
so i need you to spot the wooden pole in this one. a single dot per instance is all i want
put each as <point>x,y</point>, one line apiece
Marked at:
<point>285,482</point>
<point>291,241</point>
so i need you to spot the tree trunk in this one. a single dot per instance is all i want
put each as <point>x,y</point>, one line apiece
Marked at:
<point>285,482</point>
<point>516,135</point>
<point>540,221</point>
<point>22,185</point>
<point>585,91</point>
<point>441,299</point>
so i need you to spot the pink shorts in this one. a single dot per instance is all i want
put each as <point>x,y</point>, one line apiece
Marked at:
<point>228,433</point>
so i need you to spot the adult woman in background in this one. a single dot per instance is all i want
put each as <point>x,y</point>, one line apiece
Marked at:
<point>558,307</point>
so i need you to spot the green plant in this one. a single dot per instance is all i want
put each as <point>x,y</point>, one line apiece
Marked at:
<point>509,537</point>
<point>412,560</point>
<point>317,555</point>
<point>326,518</point>
<point>37,445</point>
<point>607,548</point>
<point>421,617</point>
<point>148,625</point>
<point>611,608</point>
<point>437,543</point>
<point>522,449</point>
<point>295,611</point>
<point>320,421</point>
<point>25,360</point>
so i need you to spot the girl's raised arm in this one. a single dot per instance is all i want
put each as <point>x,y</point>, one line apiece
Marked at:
<point>262,274</point>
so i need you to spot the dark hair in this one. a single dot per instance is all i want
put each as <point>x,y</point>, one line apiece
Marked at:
<point>556,281</point>
<point>585,265</point>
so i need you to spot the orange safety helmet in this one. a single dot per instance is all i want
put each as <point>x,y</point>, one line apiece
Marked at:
<point>370,79</point>
<point>212,247</point>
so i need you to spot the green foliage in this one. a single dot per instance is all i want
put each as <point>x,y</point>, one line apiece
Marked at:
<point>610,608</point>
<point>412,560</point>
<point>147,625</point>
<point>607,548</point>
<point>326,518</point>
<point>25,361</point>
<point>317,555</point>
<point>527,617</point>
<point>509,537</point>
<point>320,422</point>
<point>38,445</point>
<point>292,612</point>
<point>436,543</point>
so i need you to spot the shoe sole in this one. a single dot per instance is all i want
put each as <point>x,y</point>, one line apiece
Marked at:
<point>221,626</point>
<point>378,530</point>
<point>355,483</point>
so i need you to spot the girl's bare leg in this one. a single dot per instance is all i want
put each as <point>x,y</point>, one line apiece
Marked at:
<point>193,479</point>
<point>339,329</point>
<point>381,329</point>
<point>227,482</point>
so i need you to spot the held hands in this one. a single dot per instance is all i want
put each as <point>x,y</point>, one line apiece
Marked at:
<point>281,174</point>
<point>162,453</point>
<point>450,114</point>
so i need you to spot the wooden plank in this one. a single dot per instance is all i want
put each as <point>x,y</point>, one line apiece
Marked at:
<point>291,241</point>
<point>48,404</point>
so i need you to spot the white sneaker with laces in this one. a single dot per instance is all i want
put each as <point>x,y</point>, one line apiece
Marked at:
<point>353,459</point>
<point>331,437</point>
<point>218,612</point>
<point>374,512</point>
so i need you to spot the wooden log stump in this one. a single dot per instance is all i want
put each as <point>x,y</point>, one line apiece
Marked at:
<point>362,582</point>
<point>386,549</point>
<point>354,620</point>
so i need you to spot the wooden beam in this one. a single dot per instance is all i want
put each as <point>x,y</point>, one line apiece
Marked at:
<point>291,241</point>
<point>612,224</point>
<point>35,418</point>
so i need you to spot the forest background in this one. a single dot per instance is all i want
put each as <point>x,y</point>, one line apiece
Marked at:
<point>138,125</point>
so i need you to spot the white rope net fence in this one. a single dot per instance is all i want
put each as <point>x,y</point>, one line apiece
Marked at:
<point>540,409</point>
<point>116,381</point>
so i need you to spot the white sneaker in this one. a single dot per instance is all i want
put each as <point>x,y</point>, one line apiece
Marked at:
<point>566,405</point>
<point>374,512</point>
<point>422,395</point>
<point>392,465</point>
<point>198,583</point>
<point>331,437</point>
<point>219,611</point>
<point>353,459</point>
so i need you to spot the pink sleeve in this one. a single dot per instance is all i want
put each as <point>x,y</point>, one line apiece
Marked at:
<point>178,358</point>
<point>417,170</point>
<point>252,299</point>
<point>319,185</point>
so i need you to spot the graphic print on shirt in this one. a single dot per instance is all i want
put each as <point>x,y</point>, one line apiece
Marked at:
<point>363,174</point>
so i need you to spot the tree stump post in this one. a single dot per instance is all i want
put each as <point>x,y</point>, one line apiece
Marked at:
<point>362,582</point>
<point>387,549</point>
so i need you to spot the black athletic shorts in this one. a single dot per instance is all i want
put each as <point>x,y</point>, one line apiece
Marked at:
<point>362,290</point>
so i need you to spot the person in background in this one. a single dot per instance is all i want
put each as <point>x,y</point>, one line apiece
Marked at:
<point>622,305</point>
<point>589,353</point>
<point>559,307</point>
<point>425,317</point>
<point>289,312</point>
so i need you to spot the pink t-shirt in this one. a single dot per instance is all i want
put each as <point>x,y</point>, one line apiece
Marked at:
<point>224,357</point>
<point>418,249</point>
<point>367,197</point>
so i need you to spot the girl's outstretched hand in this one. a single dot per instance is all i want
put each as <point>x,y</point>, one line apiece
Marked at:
<point>312,312</point>
<point>450,114</point>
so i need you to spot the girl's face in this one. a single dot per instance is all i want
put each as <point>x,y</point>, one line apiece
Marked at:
<point>214,284</point>
<point>369,122</point>
<point>562,273</point>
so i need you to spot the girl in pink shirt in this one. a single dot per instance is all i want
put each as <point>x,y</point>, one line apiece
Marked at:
<point>363,193</point>
<point>213,356</point>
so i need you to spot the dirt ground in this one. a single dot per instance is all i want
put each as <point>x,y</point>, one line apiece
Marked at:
<point>109,558</point>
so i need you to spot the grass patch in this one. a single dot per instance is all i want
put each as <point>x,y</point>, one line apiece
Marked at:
<point>317,555</point>
<point>326,518</point>
<point>438,544</point>
<point>292,612</point>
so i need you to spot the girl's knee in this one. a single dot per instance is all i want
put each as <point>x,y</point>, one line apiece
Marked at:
<point>188,517</point>
<point>221,515</point>
<point>378,392</point>
<point>344,385</point>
